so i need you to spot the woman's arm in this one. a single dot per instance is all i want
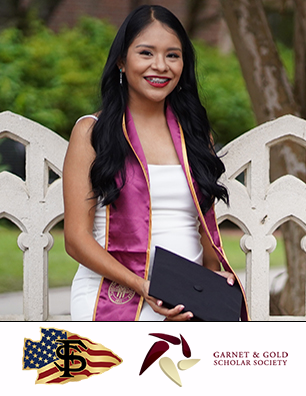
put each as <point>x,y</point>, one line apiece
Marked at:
<point>80,211</point>
<point>210,258</point>
<point>79,219</point>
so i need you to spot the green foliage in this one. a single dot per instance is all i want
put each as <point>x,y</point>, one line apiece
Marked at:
<point>54,78</point>
<point>223,93</point>
<point>287,57</point>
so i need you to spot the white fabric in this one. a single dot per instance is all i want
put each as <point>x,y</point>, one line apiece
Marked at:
<point>87,116</point>
<point>174,227</point>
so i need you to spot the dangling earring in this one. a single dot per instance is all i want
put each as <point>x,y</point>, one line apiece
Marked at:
<point>120,76</point>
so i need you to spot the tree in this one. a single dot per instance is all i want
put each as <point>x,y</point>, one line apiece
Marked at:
<point>197,17</point>
<point>273,95</point>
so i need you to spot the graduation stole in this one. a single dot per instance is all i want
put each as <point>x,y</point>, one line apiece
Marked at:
<point>128,227</point>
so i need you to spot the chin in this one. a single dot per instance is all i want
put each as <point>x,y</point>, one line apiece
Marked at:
<point>158,98</point>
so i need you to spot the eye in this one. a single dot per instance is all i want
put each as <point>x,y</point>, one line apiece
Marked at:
<point>146,53</point>
<point>173,55</point>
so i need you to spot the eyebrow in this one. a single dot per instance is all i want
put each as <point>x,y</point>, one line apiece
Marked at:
<point>152,46</point>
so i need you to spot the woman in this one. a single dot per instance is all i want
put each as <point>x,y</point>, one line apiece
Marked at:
<point>128,184</point>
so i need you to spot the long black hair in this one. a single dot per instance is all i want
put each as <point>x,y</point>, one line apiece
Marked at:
<point>108,140</point>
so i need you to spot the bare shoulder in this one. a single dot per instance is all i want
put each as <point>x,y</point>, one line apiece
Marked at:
<point>77,186</point>
<point>80,151</point>
<point>83,128</point>
<point>80,138</point>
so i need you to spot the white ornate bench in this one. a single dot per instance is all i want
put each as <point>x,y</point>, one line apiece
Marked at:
<point>257,207</point>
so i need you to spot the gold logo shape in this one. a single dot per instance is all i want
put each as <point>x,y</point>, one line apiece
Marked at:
<point>168,367</point>
<point>186,364</point>
<point>119,294</point>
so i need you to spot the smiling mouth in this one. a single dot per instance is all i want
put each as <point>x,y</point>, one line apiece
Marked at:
<point>157,82</point>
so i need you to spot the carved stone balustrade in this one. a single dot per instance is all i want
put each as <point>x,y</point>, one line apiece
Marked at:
<point>33,205</point>
<point>257,206</point>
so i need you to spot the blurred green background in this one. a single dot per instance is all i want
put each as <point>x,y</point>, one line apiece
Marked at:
<point>53,78</point>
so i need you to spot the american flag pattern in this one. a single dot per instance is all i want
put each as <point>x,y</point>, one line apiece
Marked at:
<point>41,356</point>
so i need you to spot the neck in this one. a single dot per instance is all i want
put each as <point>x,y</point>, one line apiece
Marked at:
<point>147,109</point>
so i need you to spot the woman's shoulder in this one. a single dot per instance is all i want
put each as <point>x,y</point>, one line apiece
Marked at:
<point>82,129</point>
<point>88,117</point>
<point>86,122</point>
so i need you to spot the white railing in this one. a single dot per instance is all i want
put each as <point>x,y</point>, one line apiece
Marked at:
<point>33,205</point>
<point>258,207</point>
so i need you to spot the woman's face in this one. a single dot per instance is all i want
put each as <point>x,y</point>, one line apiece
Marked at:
<point>153,64</point>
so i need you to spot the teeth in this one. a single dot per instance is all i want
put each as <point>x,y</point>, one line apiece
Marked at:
<point>158,80</point>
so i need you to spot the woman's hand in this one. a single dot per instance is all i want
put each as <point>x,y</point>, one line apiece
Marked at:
<point>173,314</point>
<point>228,275</point>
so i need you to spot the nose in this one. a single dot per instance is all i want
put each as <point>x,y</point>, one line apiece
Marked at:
<point>160,63</point>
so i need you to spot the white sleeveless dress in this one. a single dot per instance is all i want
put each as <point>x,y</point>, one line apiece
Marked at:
<point>175,227</point>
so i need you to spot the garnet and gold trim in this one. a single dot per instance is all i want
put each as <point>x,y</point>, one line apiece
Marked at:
<point>106,246</point>
<point>150,217</point>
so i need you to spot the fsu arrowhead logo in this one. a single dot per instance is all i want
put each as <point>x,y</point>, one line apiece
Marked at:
<point>60,357</point>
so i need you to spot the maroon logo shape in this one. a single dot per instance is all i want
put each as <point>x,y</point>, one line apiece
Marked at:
<point>166,364</point>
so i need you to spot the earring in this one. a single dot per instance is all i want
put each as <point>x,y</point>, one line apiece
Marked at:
<point>120,76</point>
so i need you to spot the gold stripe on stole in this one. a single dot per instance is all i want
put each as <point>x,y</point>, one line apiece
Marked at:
<point>106,246</point>
<point>150,218</point>
<point>195,199</point>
